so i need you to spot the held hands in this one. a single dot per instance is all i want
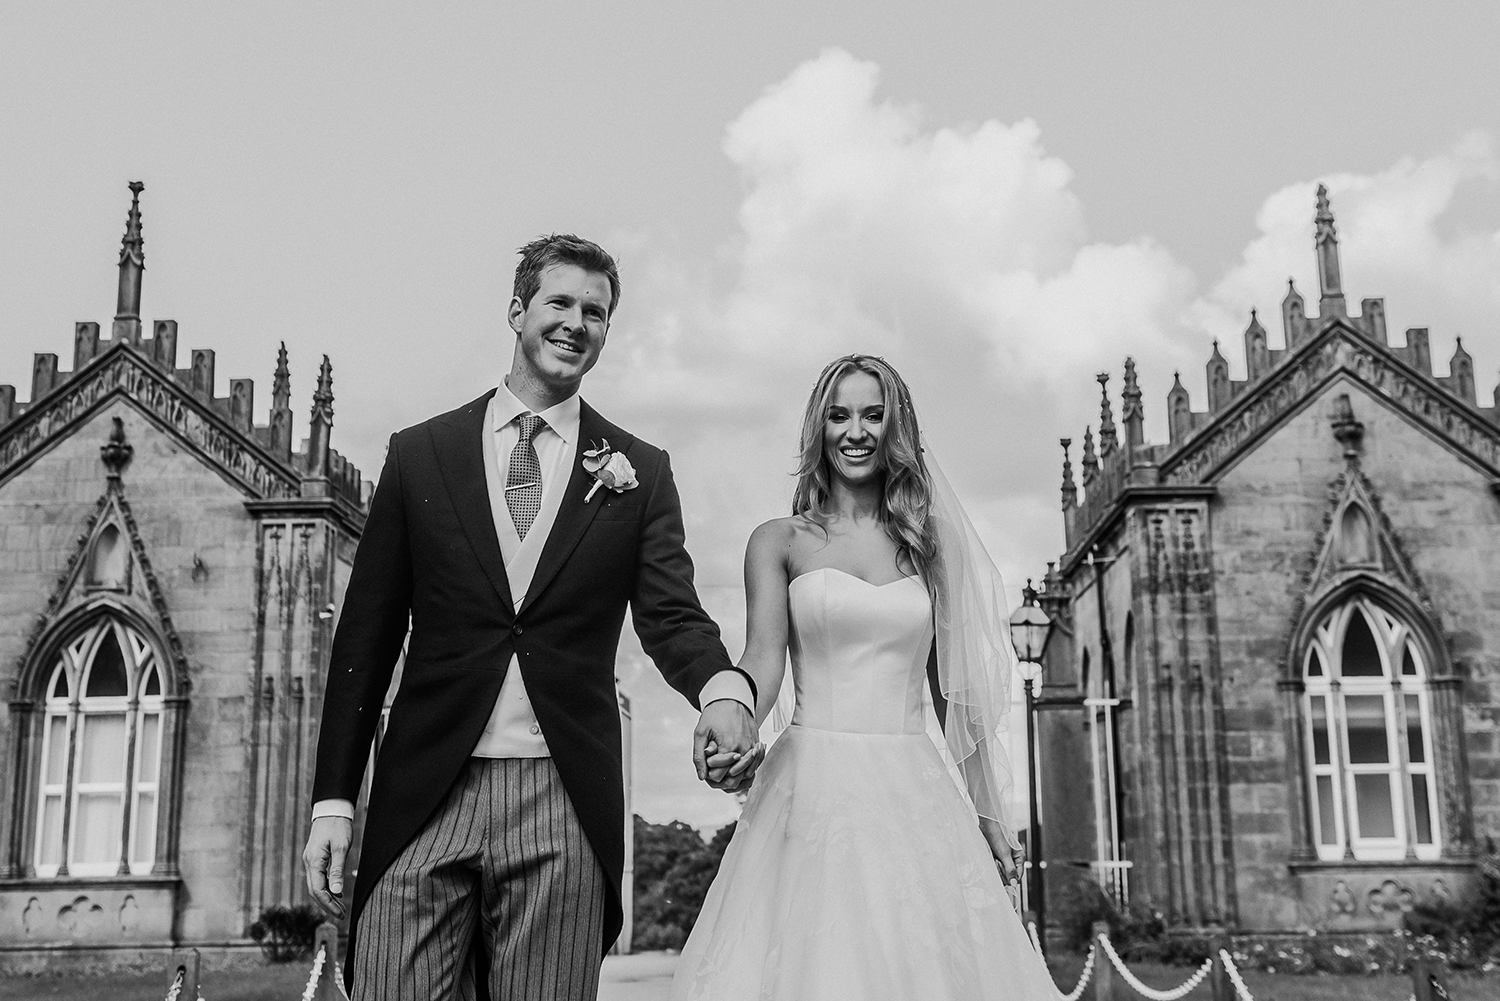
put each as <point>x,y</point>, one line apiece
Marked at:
<point>726,752</point>
<point>323,858</point>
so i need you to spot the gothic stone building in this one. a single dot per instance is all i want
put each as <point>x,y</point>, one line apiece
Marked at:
<point>1277,661</point>
<point>168,577</point>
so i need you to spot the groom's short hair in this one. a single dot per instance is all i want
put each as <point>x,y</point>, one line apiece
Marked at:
<point>563,248</point>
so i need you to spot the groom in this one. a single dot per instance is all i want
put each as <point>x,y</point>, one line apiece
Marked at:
<point>494,841</point>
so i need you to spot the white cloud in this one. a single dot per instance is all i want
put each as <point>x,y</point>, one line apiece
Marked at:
<point>961,254</point>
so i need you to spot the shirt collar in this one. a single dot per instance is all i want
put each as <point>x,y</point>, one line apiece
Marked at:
<point>562,417</point>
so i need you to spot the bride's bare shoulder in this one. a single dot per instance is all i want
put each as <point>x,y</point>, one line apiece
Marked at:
<point>774,534</point>
<point>778,538</point>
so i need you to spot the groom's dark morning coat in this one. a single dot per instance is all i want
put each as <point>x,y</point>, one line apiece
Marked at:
<point>430,550</point>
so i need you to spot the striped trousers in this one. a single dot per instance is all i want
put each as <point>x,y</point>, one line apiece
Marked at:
<point>504,852</point>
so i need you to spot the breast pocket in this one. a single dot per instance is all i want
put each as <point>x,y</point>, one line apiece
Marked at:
<point>619,512</point>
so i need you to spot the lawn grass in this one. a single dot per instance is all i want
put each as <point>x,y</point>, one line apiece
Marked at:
<point>272,982</point>
<point>284,982</point>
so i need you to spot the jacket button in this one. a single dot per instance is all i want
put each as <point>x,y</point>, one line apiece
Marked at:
<point>515,630</point>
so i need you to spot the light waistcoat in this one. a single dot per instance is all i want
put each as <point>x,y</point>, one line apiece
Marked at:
<point>512,730</point>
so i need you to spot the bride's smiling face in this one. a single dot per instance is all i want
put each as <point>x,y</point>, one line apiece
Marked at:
<point>853,427</point>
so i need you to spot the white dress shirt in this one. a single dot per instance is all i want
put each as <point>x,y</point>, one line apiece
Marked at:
<point>512,730</point>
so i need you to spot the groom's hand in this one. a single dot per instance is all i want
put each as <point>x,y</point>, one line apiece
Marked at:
<point>323,858</point>
<point>729,727</point>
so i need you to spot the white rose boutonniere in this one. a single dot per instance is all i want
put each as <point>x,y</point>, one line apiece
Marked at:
<point>609,469</point>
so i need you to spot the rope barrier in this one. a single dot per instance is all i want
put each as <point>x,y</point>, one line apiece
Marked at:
<point>1083,978</point>
<point>1174,994</point>
<point>1234,976</point>
<point>317,971</point>
<point>176,988</point>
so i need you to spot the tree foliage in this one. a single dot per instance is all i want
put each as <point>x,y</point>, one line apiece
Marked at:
<point>674,867</point>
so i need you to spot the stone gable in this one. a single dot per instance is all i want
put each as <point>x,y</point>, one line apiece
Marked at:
<point>1235,777</point>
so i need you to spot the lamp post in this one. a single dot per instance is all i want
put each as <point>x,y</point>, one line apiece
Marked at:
<point>1029,629</point>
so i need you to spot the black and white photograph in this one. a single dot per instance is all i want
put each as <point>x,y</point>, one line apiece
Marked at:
<point>695,501</point>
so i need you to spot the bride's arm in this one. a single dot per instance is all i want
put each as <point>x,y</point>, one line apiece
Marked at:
<point>766,580</point>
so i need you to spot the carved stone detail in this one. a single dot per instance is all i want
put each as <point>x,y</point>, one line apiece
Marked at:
<point>113,504</point>
<point>130,376</point>
<point>117,451</point>
<point>1341,899</point>
<point>1340,350</point>
<point>1389,898</point>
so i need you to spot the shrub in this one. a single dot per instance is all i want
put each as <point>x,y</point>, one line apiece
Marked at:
<point>1463,936</point>
<point>287,933</point>
<point>1137,933</point>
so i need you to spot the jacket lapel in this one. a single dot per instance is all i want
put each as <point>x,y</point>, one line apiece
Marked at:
<point>458,442</point>
<point>574,516</point>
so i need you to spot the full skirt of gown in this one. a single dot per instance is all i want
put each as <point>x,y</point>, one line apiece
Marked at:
<point>857,871</point>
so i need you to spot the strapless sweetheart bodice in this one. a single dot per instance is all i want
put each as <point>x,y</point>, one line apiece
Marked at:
<point>859,652</point>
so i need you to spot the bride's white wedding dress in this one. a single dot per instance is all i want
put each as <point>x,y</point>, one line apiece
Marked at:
<point>857,870</point>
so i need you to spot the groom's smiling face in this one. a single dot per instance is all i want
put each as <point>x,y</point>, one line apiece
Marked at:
<point>561,331</point>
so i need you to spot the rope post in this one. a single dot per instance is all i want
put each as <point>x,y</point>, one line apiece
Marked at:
<point>329,983</point>
<point>1218,978</point>
<point>185,963</point>
<point>1104,970</point>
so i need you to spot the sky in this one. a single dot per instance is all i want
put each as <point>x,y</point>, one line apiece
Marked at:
<point>1001,199</point>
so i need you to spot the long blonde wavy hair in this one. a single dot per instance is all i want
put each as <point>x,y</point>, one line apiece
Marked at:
<point>906,500</point>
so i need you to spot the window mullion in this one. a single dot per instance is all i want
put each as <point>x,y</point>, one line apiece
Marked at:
<point>132,714</point>
<point>1341,761</point>
<point>1403,766</point>
<point>70,786</point>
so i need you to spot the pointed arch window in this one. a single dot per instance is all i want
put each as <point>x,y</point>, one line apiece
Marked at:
<point>99,791</point>
<point>1368,712</point>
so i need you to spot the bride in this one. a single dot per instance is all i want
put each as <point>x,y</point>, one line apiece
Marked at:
<point>858,868</point>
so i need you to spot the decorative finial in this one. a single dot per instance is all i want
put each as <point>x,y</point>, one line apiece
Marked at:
<point>1327,242</point>
<point>117,451</point>
<point>1347,428</point>
<point>1132,391</point>
<point>1090,458</point>
<point>132,247</point>
<point>319,454</point>
<point>1069,488</point>
<point>1131,411</point>
<point>132,260</point>
<point>281,384</point>
<point>1106,417</point>
<point>324,393</point>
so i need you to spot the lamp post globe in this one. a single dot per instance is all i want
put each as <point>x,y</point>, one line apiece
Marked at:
<point>1029,629</point>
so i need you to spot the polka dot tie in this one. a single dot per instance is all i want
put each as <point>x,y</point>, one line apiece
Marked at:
<point>523,484</point>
